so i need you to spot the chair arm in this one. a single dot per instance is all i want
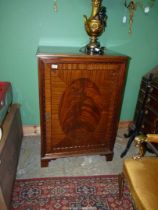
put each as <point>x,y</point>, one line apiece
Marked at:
<point>152,138</point>
<point>139,143</point>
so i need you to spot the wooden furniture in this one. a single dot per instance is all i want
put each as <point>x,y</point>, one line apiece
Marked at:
<point>141,174</point>
<point>80,102</point>
<point>9,153</point>
<point>146,112</point>
<point>150,118</point>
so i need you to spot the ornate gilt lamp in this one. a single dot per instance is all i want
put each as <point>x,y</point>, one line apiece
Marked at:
<point>94,26</point>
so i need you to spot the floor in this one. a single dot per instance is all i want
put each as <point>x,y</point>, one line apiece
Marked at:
<point>29,161</point>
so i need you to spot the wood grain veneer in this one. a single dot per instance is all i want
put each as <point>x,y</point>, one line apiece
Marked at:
<point>80,102</point>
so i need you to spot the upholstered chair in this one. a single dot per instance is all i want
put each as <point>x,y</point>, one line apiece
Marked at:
<point>141,174</point>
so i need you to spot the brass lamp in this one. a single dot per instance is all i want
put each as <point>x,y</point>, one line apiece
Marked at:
<point>94,26</point>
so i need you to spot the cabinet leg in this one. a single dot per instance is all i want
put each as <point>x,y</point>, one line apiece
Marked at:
<point>109,157</point>
<point>44,163</point>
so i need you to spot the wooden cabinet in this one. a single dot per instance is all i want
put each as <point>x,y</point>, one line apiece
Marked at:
<point>147,104</point>
<point>80,101</point>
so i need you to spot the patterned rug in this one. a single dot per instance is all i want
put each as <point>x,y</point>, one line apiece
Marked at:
<point>70,193</point>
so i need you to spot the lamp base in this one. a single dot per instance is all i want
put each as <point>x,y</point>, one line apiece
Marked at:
<point>93,51</point>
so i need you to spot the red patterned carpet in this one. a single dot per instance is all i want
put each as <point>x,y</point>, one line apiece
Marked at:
<point>70,193</point>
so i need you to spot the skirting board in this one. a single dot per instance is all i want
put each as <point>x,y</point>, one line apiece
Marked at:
<point>34,130</point>
<point>31,130</point>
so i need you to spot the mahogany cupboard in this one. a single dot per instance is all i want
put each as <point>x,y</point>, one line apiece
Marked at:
<point>80,101</point>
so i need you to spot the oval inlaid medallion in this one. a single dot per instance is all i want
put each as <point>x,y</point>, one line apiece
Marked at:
<point>80,108</point>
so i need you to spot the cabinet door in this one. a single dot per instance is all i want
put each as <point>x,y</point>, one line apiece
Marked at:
<point>81,106</point>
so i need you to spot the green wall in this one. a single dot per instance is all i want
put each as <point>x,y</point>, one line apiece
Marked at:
<point>24,25</point>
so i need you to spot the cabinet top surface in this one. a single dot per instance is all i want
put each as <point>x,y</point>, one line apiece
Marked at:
<point>73,51</point>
